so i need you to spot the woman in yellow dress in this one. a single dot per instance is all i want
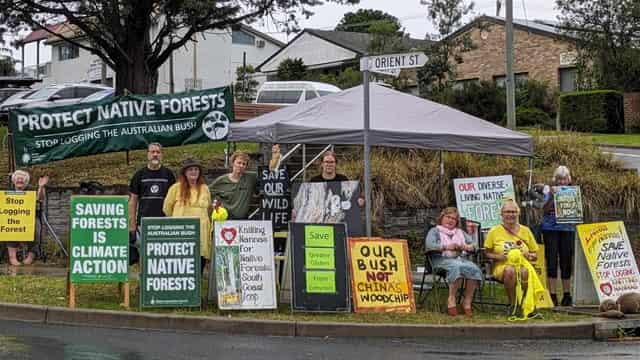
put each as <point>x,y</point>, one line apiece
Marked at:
<point>190,197</point>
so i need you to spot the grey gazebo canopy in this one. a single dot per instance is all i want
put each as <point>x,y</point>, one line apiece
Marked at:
<point>397,120</point>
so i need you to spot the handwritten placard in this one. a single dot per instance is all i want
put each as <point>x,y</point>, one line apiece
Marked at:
<point>608,253</point>
<point>480,198</point>
<point>380,275</point>
<point>244,265</point>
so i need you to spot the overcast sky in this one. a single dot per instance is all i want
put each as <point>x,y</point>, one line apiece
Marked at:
<point>411,14</point>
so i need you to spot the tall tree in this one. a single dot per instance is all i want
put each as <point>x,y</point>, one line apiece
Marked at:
<point>291,70</point>
<point>361,21</point>
<point>246,86</point>
<point>135,37</point>
<point>608,33</point>
<point>444,55</point>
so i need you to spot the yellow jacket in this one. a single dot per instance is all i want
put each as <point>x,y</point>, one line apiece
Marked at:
<point>197,206</point>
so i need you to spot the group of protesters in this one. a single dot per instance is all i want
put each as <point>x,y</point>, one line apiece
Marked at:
<point>154,191</point>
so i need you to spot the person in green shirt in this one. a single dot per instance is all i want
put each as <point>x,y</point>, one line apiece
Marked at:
<point>234,190</point>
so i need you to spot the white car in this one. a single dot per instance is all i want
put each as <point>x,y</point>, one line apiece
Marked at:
<point>292,92</point>
<point>53,95</point>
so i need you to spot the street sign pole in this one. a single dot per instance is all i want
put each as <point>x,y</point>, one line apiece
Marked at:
<point>367,165</point>
<point>388,64</point>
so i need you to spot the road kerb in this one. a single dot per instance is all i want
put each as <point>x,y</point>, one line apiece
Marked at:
<point>23,312</point>
<point>153,321</point>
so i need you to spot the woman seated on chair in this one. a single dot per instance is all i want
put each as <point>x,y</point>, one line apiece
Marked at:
<point>503,238</point>
<point>448,245</point>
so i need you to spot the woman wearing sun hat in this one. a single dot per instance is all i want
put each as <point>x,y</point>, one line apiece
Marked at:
<point>190,197</point>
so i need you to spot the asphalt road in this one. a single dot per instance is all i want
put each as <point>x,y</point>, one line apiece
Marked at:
<point>630,157</point>
<point>20,341</point>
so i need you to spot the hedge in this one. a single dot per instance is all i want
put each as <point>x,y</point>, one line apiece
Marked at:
<point>598,111</point>
<point>531,116</point>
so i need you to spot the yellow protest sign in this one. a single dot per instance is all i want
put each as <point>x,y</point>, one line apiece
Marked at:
<point>18,215</point>
<point>608,252</point>
<point>380,275</point>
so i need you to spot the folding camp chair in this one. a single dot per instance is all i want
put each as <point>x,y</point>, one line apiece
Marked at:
<point>438,276</point>
<point>486,293</point>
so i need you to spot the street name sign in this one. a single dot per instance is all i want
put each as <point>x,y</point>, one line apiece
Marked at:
<point>391,64</point>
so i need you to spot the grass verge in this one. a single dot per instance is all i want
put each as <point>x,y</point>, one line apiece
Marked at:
<point>45,290</point>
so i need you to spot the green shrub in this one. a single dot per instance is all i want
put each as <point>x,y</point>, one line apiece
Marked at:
<point>526,116</point>
<point>484,100</point>
<point>535,94</point>
<point>599,111</point>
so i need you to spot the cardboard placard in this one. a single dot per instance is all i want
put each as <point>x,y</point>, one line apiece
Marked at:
<point>170,267</point>
<point>480,198</point>
<point>99,239</point>
<point>275,204</point>
<point>608,253</point>
<point>244,269</point>
<point>329,202</point>
<point>381,275</point>
<point>319,264</point>
<point>568,205</point>
<point>17,215</point>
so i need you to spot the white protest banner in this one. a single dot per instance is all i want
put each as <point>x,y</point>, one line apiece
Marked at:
<point>480,198</point>
<point>244,265</point>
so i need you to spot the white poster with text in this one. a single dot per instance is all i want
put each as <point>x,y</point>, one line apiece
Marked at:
<point>244,265</point>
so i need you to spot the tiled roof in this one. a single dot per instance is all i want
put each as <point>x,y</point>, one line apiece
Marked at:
<point>359,42</point>
<point>39,34</point>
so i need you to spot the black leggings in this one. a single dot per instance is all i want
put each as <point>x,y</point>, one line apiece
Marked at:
<point>558,245</point>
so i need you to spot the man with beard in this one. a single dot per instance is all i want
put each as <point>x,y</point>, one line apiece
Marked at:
<point>147,191</point>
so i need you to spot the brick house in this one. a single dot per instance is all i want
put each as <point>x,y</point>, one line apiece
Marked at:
<point>541,52</point>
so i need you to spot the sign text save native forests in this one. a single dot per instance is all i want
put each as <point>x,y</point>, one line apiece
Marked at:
<point>121,123</point>
<point>99,239</point>
<point>611,262</point>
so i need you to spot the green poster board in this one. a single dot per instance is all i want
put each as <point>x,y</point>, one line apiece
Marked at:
<point>170,273</point>
<point>99,239</point>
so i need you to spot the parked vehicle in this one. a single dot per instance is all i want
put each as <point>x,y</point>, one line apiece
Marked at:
<point>24,92</point>
<point>292,92</point>
<point>100,95</point>
<point>6,93</point>
<point>53,95</point>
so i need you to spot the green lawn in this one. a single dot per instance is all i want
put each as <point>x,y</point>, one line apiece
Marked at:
<point>601,139</point>
<point>617,139</point>
<point>45,290</point>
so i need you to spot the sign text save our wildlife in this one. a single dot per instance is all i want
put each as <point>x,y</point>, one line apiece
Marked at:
<point>121,123</point>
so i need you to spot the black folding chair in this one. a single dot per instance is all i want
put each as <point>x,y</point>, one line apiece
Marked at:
<point>438,276</point>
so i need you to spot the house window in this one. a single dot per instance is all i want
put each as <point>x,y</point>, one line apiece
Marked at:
<point>501,80</point>
<point>568,79</point>
<point>68,51</point>
<point>242,38</point>
<point>460,84</point>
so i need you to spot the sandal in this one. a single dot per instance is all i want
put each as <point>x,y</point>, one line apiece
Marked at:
<point>452,311</point>
<point>467,311</point>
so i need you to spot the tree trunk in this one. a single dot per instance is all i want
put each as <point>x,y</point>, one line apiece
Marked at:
<point>133,74</point>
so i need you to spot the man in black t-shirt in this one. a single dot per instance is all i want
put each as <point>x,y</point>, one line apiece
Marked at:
<point>147,191</point>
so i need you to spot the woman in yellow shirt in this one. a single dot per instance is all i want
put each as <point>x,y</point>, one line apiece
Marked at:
<point>190,197</point>
<point>502,239</point>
